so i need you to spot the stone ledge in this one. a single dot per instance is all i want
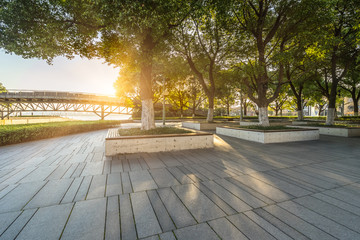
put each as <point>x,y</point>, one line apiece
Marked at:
<point>116,144</point>
<point>270,136</point>
<point>331,131</point>
<point>202,125</point>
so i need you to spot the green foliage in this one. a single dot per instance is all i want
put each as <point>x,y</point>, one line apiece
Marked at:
<point>2,88</point>
<point>155,131</point>
<point>11,134</point>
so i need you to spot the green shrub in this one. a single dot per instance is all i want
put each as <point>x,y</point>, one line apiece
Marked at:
<point>10,134</point>
<point>155,131</point>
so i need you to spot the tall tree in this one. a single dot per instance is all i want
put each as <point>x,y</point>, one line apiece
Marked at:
<point>265,28</point>
<point>339,45</point>
<point>120,32</point>
<point>351,84</point>
<point>204,44</point>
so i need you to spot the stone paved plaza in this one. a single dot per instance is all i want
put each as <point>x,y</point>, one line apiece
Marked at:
<point>65,188</point>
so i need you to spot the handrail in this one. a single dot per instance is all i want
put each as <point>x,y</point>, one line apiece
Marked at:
<point>57,94</point>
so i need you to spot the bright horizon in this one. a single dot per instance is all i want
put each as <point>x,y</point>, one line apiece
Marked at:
<point>76,75</point>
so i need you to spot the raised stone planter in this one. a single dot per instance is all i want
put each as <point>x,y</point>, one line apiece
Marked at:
<point>116,144</point>
<point>202,125</point>
<point>248,123</point>
<point>270,136</point>
<point>332,131</point>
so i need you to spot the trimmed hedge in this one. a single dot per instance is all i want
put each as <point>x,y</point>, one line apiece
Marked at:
<point>11,134</point>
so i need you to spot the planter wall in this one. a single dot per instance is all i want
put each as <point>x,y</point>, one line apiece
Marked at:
<point>116,144</point>
<point>202,125</point>
<point>332,131</point>
<point>270,136</point>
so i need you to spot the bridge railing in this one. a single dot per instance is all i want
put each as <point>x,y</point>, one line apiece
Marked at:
<point>20,94</point>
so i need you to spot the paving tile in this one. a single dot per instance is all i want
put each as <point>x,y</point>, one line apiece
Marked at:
<point>167,236</point>
<point>251,191</point>
<point>217,200</point>
<point>163,178</point>
<point>332,212</point>
<point>263,188</point>
<point>18,176</point>
<point>7,189</point>
<point>47,223</point>
<point>83,189</point>
<point>17,198</point>
<point>71,192</point>
<point>39,174</point>
<point>113,184</point>
<point>294,234</point>
<point>126,184</point>
<point>297,223</point>
<point>282,185</point>
<point>267,226</point>
<point>128,231</point>
<point>58,172</point>
<point>141,180</point>
<point>93,168</point>
<point>112,219</point>
<point>201,207</point>
<point>226,230</point>
<point>160,211</point>
<point>6,219</point>
<point>116,166</point>
<point>178,212</point>
<point>13,230</point>
<point>240,193</point>
<point>153,162</point>
<point>227,196</point>
<point>179,175</point>
<point>75,172</point>
<point>321,222</point>
<point>50,194</point>
<point>145,218</point>
<point>196,232</point>
<point>338,203</point>
<point>87,220</point>
<point>248,227</point>
<point>97,187</point>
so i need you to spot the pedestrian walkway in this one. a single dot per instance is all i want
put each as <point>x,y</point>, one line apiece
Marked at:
<point>65,188</point>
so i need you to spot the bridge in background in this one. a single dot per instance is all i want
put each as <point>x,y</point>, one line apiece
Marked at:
<point>17,101</point>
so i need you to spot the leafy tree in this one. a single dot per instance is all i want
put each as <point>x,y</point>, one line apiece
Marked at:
<point>265,28</point>
<point>351,84</point>
<point>120,32</point>
<point>280,102</point>
<point>337,48</point>
<point>204,45</point>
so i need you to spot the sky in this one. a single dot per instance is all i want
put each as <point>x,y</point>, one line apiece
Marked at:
<point>76,75</point>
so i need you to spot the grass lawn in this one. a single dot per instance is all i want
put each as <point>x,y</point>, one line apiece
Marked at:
<point>10,134</point>
<point>155,131</point>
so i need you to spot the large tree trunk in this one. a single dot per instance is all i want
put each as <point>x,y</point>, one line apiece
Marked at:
<point>210,115</point>
<point>356,103</point>
<point>263,116</point>
<point>147,114</point>
<point>299,106</point>
<point>330,117</point>
<point>146,94</point>
<point>356,108</point>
